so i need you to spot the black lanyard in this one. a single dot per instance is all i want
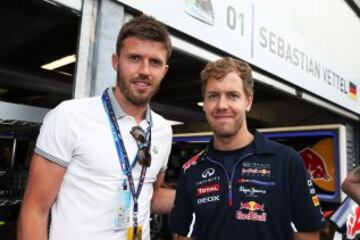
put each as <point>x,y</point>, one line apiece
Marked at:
<point>122,155</point>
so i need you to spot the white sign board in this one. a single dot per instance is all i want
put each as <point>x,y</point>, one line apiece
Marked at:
<point>249,32</point>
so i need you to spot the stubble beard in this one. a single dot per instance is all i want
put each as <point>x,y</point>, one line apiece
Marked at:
<point>226,132</point>
<point>137,100</point>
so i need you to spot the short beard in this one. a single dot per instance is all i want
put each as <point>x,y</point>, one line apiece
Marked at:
<point>135,100</point>
<point>227,133</point>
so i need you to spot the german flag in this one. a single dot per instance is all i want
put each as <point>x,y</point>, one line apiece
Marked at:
<point>352,90</point>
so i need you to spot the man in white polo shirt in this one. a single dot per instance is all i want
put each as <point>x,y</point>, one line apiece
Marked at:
<point>99,162</point>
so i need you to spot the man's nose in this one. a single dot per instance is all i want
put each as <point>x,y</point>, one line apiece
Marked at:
<point>222,103</point>
<point>144,68</point>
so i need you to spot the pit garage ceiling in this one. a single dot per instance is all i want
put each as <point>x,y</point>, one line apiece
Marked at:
<point>36,32</point>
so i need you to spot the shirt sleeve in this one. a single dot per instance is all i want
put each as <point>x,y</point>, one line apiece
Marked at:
<point>56,138</point>
<point>305,204</point>
<point>168,149</point>
<point>182,213</point>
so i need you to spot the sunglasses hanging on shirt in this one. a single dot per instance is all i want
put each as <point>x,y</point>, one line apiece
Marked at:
<point>144,156</point>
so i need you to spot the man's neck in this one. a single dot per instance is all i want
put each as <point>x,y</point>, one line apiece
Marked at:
<point>237,141</point>
<point>138,112</point>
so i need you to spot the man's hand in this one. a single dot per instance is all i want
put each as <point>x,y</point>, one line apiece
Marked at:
<point>163,198</point>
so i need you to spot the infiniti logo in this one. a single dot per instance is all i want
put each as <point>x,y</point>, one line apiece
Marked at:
<point>208,172</point>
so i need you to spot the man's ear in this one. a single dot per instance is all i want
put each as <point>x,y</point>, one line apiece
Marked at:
<point>165,70</point>
<point>115,61</point>
<point>249,102</point>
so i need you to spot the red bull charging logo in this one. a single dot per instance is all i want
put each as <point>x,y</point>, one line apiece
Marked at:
<point>251,211</point>
<point>353,223</point>
<point>315,165</point>
<point>193,161</point>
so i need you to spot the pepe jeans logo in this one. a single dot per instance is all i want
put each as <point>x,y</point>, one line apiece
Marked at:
<point>252,191</point>
<point>208,172</point>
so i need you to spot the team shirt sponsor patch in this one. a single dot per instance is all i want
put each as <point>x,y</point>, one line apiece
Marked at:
<point>208,189</point>
<point>208,199</point>
<point>192,162</point>
<point>251,211</point>
<point>256,171</point>
<point>208,180</point>
<point>208,172</point>
<point>315,200</point>
<point>256,182</point>
<point>256,165</point>
<point>309,183</point>
<point>252,191</point>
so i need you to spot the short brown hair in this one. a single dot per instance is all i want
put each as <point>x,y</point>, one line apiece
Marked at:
<point>145,28</point>
<point>222,67</point>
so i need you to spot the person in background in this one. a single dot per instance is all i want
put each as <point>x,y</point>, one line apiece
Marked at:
<point>99,162</point>
<point>242,186</point>
<point>351,185</point>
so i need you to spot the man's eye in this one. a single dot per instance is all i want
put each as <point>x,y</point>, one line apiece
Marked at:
<point>234,96</point>
<point>212,97</point>
<point>134,58</point>
<point>155,63</point>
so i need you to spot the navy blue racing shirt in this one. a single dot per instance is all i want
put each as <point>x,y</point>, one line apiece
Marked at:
<point>266,191</point>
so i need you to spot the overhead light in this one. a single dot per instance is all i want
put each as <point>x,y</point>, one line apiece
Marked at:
<point>200,104</point>
<point>173,123</point>
<point>59,62</point>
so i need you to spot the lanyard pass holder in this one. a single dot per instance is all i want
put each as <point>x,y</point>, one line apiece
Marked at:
<point>135,219</point>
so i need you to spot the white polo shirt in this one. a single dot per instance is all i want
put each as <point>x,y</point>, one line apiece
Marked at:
<point>77,135</point>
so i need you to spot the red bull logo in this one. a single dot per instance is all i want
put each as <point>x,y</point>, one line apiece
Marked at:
<point>252,206</point>
<point>192,161</point>
<point>315,165</point>
<point>353,223</point>
<point>251,211</point>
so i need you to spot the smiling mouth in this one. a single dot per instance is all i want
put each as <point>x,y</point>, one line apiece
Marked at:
<point>223,117</point>
<point>141,85</point>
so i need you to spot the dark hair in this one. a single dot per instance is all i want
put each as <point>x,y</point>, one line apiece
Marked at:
<point>222,67</point>
<point>145,28</point>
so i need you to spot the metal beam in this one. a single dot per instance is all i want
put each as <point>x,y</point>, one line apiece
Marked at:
<point>19,114</point>
<point>75,5</point>
<point>84,63</point>
<point>177,113</point>
<point>32,81</point>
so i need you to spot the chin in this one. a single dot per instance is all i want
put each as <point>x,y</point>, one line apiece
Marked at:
<point>223,133</point>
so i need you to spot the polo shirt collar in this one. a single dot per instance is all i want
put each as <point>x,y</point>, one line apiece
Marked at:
<point>119,112</point>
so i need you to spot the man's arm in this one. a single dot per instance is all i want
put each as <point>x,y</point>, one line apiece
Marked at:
<point>163,198</point>
<point>43,185</point>
<point>351,185</point>
<point>306,236</point>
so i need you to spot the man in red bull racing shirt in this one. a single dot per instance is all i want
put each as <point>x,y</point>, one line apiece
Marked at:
<point>242,186</point>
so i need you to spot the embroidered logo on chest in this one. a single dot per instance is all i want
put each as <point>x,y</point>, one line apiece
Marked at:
<point>251,211</point>
<point>208,189</point>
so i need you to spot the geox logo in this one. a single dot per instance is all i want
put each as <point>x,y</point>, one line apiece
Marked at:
<point>209,199</point>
